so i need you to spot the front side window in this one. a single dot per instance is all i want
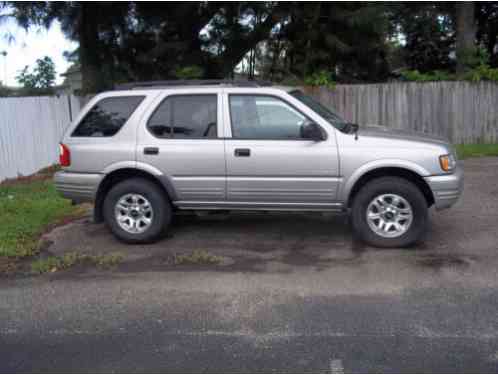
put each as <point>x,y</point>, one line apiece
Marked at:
<point>264,117</point>
<point>185,116</point>
<point>107,116</point>
<point>334,119</point>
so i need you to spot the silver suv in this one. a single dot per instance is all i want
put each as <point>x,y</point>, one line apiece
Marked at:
<point>145,151</point>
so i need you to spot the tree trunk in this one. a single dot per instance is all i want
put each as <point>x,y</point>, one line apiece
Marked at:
<point>465,34</point>
<point>91,66</point>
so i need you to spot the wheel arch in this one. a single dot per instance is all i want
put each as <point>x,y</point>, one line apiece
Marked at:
<point>119,175</point>
<point>391,171</point>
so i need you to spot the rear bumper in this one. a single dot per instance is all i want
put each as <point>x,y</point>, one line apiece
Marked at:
<point>79,187</point>
<point>446,188</point>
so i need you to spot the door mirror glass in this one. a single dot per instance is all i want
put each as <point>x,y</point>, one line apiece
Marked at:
<point>310,130</point>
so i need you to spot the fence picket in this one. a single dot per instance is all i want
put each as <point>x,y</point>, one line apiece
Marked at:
<point>463,112</point>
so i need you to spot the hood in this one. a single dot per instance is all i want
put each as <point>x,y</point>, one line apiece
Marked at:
<point>378,131</point>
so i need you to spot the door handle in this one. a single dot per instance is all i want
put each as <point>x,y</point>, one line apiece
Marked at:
<point>151,150</point>
<point>242,152</point>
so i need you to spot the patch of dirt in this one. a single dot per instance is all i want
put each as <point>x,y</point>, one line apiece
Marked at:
<point>82,211</point>
<point>43,174</point>
<point>8,266</point>
<point>444,260</point>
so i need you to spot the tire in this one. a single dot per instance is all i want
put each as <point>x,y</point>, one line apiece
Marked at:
<point>146,194</point>
<point>394,193</point>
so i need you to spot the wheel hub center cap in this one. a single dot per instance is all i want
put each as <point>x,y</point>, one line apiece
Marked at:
<point>133,213</point>
<point>389,215</point>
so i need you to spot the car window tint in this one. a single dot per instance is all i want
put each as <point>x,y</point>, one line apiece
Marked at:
<point>264,117</point>
<point>185,116</point>
<point>107,116</point>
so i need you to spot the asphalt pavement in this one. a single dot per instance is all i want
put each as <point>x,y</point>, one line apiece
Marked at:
<point>294,293</point>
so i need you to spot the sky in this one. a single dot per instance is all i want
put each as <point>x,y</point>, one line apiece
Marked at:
<point>28,46</point>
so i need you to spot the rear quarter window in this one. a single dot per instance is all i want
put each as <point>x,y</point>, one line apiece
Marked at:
<point>107,116</point>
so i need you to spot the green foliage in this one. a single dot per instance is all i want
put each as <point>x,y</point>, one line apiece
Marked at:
<point>481,73</point>
<point>476,150</point>
<point>320,78</point>
<point>487,29</point>
<point>22,91</point>
<point>53,263</point>
<point>189,72</point>
<point>428,34</point>
<point>347,38</point>
<point>57,263</point>
<point>416,76</point>
<point>26,209</point>
<point>358,41</point>
<point>42,76</point>
<point>478,70</point>
<point>197,257</point>
<point>5,91</point>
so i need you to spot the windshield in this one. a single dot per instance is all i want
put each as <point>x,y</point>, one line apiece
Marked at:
<point>320,109</point>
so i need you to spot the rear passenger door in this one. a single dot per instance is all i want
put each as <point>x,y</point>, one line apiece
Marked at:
<point>179,137</point>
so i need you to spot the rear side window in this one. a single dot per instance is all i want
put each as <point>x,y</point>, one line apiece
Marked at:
<point>185,116</point>
<point>107,117</point>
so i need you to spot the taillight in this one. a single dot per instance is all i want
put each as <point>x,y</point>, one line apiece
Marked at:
<point>64,155</point>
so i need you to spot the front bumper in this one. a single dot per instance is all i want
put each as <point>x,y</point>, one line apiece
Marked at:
<point>79,187</point>
<point>446,188</point>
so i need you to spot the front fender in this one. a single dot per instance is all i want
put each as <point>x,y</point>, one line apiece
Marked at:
<point>350,179</point>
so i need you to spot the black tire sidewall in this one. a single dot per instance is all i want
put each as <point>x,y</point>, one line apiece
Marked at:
<point>160,206</point>
<point>390,185</point>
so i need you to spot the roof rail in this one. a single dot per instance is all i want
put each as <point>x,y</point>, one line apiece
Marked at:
<point>191,82</point>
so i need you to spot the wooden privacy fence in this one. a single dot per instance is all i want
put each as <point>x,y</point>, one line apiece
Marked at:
<point>30,130</point>
<point>463,112</point>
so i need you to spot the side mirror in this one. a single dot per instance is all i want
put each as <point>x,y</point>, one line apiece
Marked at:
<point>312,131</point>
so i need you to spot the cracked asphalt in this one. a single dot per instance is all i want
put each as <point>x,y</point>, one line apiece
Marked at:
<point>294,293</point>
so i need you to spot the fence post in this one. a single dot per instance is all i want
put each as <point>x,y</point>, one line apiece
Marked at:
<point>70,108</point>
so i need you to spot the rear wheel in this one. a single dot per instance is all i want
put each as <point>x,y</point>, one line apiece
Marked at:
<point>390,212</point>
<point>137,211</point>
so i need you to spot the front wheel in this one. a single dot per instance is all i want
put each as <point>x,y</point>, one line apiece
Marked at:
<point>390,212</point>
<point>137,211</point>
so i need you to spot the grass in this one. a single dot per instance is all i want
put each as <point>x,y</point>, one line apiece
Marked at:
<point>27,209</point>
<point>197,257</point>
<point>476,150</point>
<point>55,263</point>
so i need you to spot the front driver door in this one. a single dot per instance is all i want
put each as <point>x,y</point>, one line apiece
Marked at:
<point>270,162</point>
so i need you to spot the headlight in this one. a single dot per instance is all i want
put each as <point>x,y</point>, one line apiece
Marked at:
<point>447,162</point>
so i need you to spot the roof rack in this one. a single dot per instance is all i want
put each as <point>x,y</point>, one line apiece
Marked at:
<point>191,82</point>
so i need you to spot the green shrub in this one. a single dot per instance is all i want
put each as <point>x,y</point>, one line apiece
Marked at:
<point>320,78</point>
<point>481,73</point>
<point>189,72</point>
<point>478,69</point>
<point>416,76</point>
